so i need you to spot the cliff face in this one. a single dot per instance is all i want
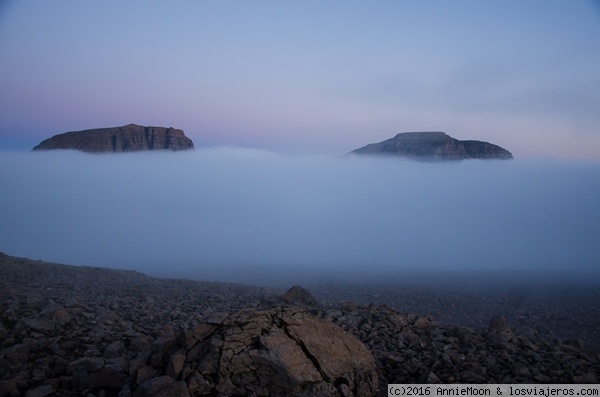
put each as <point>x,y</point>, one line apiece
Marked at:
<point>434,146</point>
<point>129,138</point>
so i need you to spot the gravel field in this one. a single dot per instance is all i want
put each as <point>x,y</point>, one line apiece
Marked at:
<point>70,331</point>
<point>554,310</point>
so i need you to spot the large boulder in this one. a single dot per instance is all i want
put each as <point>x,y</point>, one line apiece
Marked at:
<point>129,138</point>
<point>433,146</point>
<point>276,352</point>
<point>299,296</point>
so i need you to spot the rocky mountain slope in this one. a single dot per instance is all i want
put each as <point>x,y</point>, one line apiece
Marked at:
<point>72,331</point>
<point>129,138</point>
<point>433,146</point>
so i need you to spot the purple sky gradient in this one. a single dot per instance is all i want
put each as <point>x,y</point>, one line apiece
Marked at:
<point>308,77</point>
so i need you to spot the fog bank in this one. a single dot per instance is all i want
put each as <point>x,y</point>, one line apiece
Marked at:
<point>243,215</point>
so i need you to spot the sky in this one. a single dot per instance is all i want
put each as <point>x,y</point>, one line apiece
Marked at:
<point>307,77</point>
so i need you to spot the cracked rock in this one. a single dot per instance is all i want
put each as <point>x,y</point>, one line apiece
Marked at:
<point>279,352</point>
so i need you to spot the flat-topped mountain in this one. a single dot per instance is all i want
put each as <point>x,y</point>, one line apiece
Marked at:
<point>434,146</point>
<point>129,138</point>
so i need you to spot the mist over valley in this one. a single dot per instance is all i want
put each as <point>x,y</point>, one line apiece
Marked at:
<point>250,216</point>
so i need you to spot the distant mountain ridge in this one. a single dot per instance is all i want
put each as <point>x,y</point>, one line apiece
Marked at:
<point>128,138</point>
<point>433,146</point>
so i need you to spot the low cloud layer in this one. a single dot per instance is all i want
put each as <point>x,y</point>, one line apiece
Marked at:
<point>249,216</point>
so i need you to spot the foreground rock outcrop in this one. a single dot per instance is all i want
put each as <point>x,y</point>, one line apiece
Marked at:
<point>276,352</point>
<point>129,138</point>
<point>434,146</point>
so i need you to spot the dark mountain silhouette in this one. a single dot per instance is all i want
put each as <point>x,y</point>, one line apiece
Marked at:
<point>434,146</point>
<point>129,138</point>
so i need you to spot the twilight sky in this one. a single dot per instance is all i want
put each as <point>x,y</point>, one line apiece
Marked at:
<point>307,77</point>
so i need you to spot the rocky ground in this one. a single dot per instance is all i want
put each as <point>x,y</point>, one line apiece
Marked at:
<point>561,310</point>
<point>70,331</point>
